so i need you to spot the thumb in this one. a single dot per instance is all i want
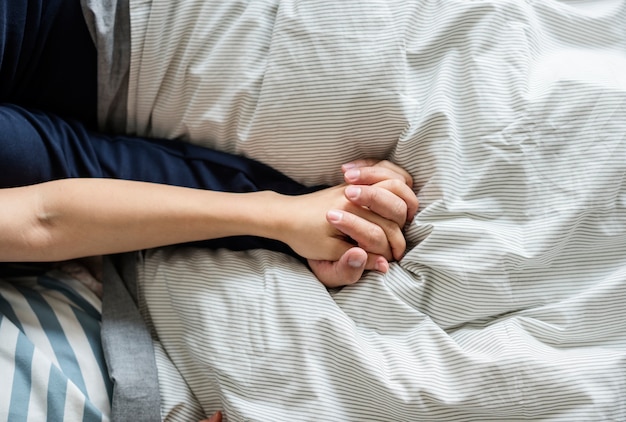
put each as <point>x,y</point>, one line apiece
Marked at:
<point>347,270</point>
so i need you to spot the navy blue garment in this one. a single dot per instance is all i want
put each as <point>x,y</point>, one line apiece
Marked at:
<point>48,60</point>
<point>37,147</point>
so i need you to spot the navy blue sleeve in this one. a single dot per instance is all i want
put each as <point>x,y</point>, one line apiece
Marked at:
<point>38,147</point>
<point>48,86</point>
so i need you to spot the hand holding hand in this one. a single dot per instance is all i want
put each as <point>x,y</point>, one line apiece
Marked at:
<point>387,189</point>
<point>383,190</point>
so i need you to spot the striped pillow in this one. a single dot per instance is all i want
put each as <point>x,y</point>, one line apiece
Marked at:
<point>50,356</point>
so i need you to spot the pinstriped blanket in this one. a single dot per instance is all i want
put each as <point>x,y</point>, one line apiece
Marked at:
<point>510,303</point>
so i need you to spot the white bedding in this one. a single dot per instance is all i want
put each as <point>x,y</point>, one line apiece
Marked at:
<point>510,303</point>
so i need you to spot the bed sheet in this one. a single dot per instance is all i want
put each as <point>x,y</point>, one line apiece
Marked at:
<point>510,303</point>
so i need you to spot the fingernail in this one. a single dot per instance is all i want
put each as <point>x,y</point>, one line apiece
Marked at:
<point>353,192</point>
<point>334,216</point>
<point>356,262</point>
<point>348,166</point>
<point>352,175</point>
<point>381,265</point>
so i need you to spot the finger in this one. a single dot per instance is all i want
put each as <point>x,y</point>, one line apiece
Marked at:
<point>370,231</point>
<point>216,417</point>
<point>408,179</point>
<point>405,193</point>
<point>391,199</point>
<point>377,263</point>
<point>363,162</point>
<point>368,172</point>
<point>365,233</point>
<point>348,269</point>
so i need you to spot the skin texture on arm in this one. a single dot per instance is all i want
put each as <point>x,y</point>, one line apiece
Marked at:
<point>73,218</point>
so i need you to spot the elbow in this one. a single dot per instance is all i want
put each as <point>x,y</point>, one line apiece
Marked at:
<point>27,227</point>
<point>44,241</point>
<point>32,243</point>
<point>37,240</point>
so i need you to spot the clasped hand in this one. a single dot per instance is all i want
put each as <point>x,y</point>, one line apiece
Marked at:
<point>357,226</point>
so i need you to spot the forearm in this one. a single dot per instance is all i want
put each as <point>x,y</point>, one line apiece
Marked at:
<point>74,218</point>
<point>80,217</point>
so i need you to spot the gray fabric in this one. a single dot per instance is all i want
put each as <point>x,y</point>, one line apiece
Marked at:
<point>109,24</point>
<point>126,341</point>
<point>127,346</point>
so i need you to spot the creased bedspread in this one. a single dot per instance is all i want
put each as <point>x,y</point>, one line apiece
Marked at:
<point>510,303</point>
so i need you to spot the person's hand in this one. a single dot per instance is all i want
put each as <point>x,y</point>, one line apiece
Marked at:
<point>383,188</point>
<point>309,227</point>
<point>393,179</point>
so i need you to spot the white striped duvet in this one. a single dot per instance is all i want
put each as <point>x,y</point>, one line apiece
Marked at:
<point>510,303</point>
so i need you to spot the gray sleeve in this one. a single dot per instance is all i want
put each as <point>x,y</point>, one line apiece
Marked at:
<point>127,345</point>
<point>109,24</point>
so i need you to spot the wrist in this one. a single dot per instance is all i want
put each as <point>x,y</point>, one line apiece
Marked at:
<point>270,216</point>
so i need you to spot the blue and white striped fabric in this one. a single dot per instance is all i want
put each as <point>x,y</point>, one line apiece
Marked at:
<point>51,361</point>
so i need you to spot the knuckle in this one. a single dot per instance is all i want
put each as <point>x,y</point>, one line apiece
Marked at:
<point>400,210</point>
<point>401,243</point>
<point>397,242</point>
<point>390,228</point>
<point>373,236</point>
<point>396,184</point>
<point>373,195</point>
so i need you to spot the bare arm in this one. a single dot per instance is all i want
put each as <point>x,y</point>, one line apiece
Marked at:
<point>80,217</point>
